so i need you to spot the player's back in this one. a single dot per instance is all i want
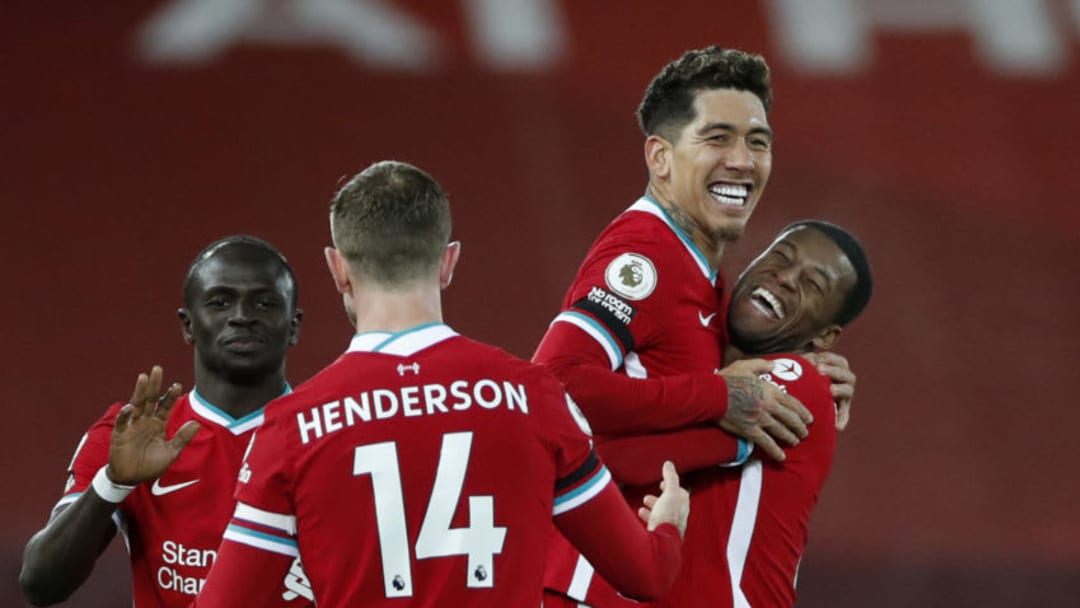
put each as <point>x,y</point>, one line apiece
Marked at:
<point>423,466</point>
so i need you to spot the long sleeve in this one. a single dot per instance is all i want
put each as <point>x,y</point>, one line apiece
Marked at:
<point>244,576</point>
<point>638,563</point>
<point>636,460</point>
<point>615,403</point>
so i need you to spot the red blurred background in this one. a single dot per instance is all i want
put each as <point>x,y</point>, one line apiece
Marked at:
<point>943,133</point>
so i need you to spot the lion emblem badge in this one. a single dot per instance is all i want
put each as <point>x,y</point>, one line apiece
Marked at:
<point>631,275</point>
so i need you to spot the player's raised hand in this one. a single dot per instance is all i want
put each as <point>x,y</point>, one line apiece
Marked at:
<point>672,506</point>
<point>139,450</point>
<point>838,370</point>
<point>760,412</point>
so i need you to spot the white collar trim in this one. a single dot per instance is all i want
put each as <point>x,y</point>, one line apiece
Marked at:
<point>650,206</point>
<point>402,343</point>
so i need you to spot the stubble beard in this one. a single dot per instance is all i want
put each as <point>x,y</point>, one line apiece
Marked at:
<point>718,236</point>
<point>727,234</point>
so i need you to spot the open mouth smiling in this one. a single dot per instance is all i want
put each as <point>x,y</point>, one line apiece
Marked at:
<point>730,194</point>
<point>767,302</point>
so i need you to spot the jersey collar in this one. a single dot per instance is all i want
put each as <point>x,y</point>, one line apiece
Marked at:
<point>401,343</point>
<point>236,426</point>
<point>649,205</point>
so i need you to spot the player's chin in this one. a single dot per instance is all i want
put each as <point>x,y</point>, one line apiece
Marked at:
<point>753,333</point>
<point>252,366</point>
<point>729,229</point>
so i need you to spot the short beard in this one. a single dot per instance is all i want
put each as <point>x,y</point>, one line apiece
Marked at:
<point>727,234</point>
<point>724,234</point>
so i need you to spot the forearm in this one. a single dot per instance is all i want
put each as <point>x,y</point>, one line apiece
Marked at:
<point>243,576</point>
<point>615,403</point>
<point>61,556</point>
<point>638,563</point>
<point>637,460</point>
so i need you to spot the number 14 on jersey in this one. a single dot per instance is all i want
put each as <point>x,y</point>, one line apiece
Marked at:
<point>480,541</point>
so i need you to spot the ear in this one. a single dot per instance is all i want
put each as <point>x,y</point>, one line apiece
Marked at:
<point>449,262</point>
<point>658,156</point>
<point>828,338</point>
<point>185,325</point>
<point>294,329</point>
<point>339,269</point>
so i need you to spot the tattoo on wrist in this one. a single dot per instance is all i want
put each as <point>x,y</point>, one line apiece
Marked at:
<point>744,397</point>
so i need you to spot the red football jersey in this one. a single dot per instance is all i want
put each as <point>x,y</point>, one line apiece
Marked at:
<point>637,345</point>
<point>744,539</point>
<point>173,526</point>
<point>646,304</point>
<point>420,469</point>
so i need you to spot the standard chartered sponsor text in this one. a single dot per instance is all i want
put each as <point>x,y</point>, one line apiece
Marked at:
<point>177,554</point>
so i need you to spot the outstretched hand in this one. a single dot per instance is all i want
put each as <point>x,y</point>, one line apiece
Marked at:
<point>760,412</point>
<point>672,506</point>
<point>139,451</point>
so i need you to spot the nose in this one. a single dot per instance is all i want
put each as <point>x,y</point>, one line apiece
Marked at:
<point>739,157</point>
<point>241,313</point>
<point>787,278</point>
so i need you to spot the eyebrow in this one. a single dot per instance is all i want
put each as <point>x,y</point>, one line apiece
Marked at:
<point>825,276</point>
<point>819,269</point>
<point>726,126</point>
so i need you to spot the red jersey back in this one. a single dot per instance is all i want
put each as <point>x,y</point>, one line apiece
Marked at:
<point>173,526</point>
<point>420,469</point>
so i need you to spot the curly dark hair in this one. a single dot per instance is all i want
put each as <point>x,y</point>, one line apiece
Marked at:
<point>668,104</point>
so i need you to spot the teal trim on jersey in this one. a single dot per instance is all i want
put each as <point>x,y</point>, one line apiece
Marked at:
<point>235,422</point>
<point>745,449</point>
<point>583,488</point>
<point>242,531</point>
<point>395,335</point>
<point>704,261</point>
<point>614,344</point>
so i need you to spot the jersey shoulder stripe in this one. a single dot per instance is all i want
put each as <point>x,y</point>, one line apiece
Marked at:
<point>582,493</point>
<point>278,521</point>
<point>608,318</point>
<point>597,332</point>
<point>266,541</point>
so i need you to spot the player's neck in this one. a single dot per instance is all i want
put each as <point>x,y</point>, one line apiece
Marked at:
<point>733,353</point>
<point>711,248</point>
<point>238,399</point>
<point>382,310</point>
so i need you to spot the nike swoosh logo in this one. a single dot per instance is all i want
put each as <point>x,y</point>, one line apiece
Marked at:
<point>159,490</point>
<point>705,320</point>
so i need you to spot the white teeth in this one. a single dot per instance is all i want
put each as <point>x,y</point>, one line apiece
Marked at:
<point>777,308</point>
<point>731,194</point>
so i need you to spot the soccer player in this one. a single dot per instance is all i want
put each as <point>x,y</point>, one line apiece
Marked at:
<point>240,314</point>
<point>422,468</point>
<point>791,300</point>
<point>639,342</point>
